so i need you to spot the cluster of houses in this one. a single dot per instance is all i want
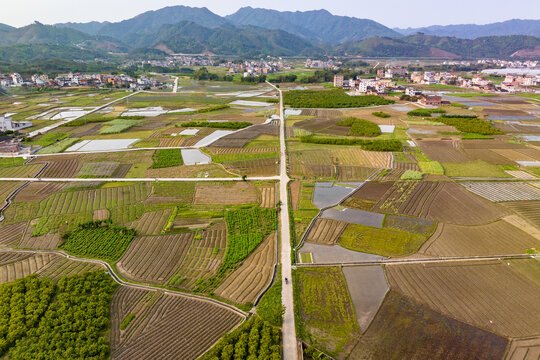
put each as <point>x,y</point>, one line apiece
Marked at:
<point>322,64</point>
<point>171,62</point>
<point>358,86</point>
<point>9,143</point>
<point>254,68</point>
<point>82,80</point>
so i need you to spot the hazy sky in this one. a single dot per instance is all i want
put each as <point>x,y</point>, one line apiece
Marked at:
<point>392,13</point>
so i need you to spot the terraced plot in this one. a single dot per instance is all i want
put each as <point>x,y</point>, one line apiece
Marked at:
<point>443,150</point>
<point>441,201</point>
<point>47,241</point>
<point>24,266</point>
<point>255,274</point>
<point>326,231</point>
<point>23,171</point>
<point>154,259</point>
<point>68,267</point>
<point>90,200</point>
<point>402,329</point>
<point>10,235</point>
<point>503,191</point>
<point>268,196</point>
<point>7,188</point>
<point>37,191</point>
<point>530,210</point>
<point>166,326</point>
<point>151,223</point>
<point>487,294</point>
<point>98,170</point>
<point>226,194</point>
<point>59,166</point>
<point>203,258</point>
<point>496,238</point>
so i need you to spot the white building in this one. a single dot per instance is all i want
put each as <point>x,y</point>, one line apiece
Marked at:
<point>7,123</point>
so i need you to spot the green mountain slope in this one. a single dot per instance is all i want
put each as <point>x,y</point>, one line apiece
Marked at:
<point>319,25</point>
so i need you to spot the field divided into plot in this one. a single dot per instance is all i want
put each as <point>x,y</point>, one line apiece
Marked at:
<point>226,194</point>
<point>90,200</point>
<point>503,191</point>
<point>154,259</point>
<point>326,231</point>
<point>441,201</point>
<point>530,210</point>
<point>23,171</point>
<point>268,196</point>
<point>10,235</point>
<point>489,295</point>
<point>496,238</point>
<point>166,326</point>
<point>203,259</point>
<point>255,273</point>
<point>24,266</point>
<point>151,223</point>
<point>67,267</point>
<point>47,241</point>
<point>37,191</point>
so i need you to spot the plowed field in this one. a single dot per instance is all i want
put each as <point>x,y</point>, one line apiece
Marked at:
<point>25,266</point>
<point>326,231</point>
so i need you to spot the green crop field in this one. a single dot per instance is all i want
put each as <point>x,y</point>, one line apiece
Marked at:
<point>386,242</point>
<point>92,239</point>
<point>330,99</point>
<point>166,158</point>
<point>325,315</point>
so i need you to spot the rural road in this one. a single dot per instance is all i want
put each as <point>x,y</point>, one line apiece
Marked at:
<point>118,280</point>
<point>254,178</point>
<point>420,260</point>
<point>290,347</point>
<point>60,123</point>
<point>175,87</point>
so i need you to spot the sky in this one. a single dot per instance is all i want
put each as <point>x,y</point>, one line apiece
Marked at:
<point>392,13</point>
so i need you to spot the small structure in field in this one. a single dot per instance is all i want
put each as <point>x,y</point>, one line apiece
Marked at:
<point>7,123</point>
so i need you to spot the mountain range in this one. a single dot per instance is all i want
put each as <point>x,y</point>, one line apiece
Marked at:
<point>254,32</point>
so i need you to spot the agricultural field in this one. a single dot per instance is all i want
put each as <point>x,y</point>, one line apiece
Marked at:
<point>19,265</point>
<point>152,324</point>
<point>226,194</point>
<point>459,291</point>
<point>503,191</point>
<point>154,259</point>
<point>529,210</point>
<point>324,309</point>
<point>326,231</point>
<point>496,238</point>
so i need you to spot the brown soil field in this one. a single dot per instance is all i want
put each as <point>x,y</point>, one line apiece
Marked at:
<point>530,268</point>
<point>441,201</point>
<point>23,171</point>
<point>517,128</point>
<point>353,173</point>
<point>62,166</point>
<point>121,171</point>
<point>489,144</point>
<point>151,223</point>
<point>505,112</point>
<point>326,231</point>
<point>232,150</point>
<point>154,259</point>
<point>268,196</point>
<point>321,112</point>
<point>392,175</point>
<point>124,301</point>
<point>523,224</point>
<point>174,141</point>
<point>67,267</point>
<point>403,329</point>
<point>7,188</point>
<point>367,286</point>
<point>262,167</point>
<point>37,191</point>
<point>10,235</point>
<point>410,224</point>
<point>87,130</point>
<point>529,210</point>
<point>255,273</point>
<point>123,157</point>
<point>487,294</point>
<point>47,241</point>
<point>406,166</point>
<point>186,171</point>
<point>294,188</point>
<point>372,190</point>
<point>355,157</point>
<point>167,326</point>
<point>497,238</point>
<point>12,257</point>
<point>202,259</point>
<point>102,214</point>
<point>519,154</point>
<point>30,265</point>
<point>203,132</point>
<point>524,349</point>
<point>443,151</point>
<point>226,194</point>
<point>243,137</point>
<point>489,156</point>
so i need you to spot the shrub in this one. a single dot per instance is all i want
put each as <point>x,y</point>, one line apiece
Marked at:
<point>218,124</point>
<point>166,158</point>
<point>426,112</point>
<point>411,175</point>
<point>381,114</point>
<point>330,99</point>
<point>369,145</point>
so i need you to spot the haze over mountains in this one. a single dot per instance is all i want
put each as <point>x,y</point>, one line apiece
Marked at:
<point>253,32</point>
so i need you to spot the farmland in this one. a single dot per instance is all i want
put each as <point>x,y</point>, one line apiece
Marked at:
<point>165,326</point>
<point>459,291</point>
<point>324,309</point>
<point>330,99</point>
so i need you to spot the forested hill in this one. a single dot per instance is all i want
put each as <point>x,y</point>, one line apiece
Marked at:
<point>421,45</point>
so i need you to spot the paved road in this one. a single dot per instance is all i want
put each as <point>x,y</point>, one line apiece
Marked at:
<point>118,280</point>
<point>290,348</point>
<point>175,87</point>
<point>422,260</point>
<point>255,178</point>
<point>60,123</point>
